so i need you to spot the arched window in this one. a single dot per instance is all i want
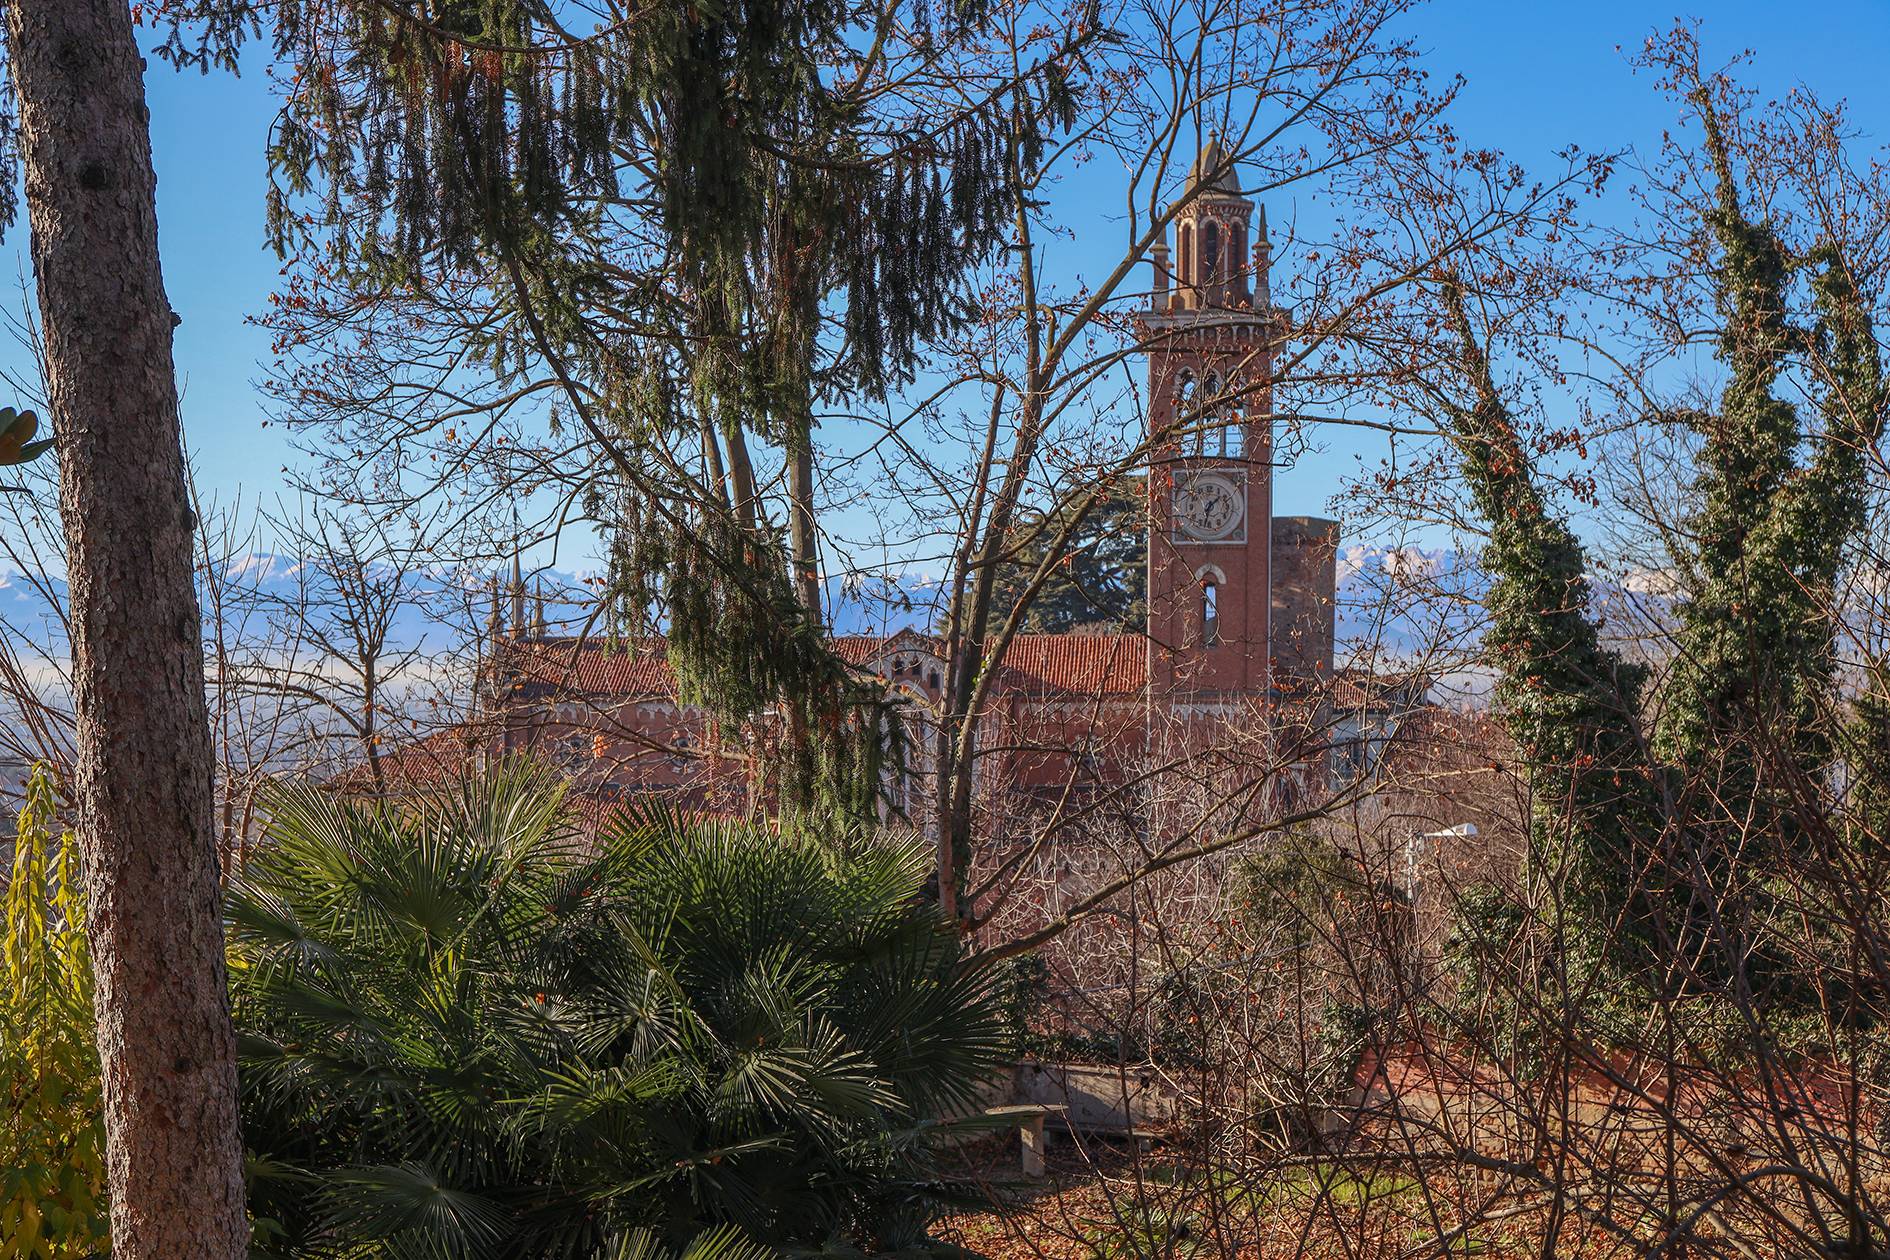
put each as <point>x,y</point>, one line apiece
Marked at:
<point>1187,401</point>
<point>1187,254</point>
<point>1237,256</point>
<point>1211,439</point>
<point>1210,252</point>
<point>1233,429</point>
<point>1211,579</point>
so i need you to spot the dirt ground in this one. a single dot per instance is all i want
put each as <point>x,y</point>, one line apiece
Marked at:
<point>1105,1200</point>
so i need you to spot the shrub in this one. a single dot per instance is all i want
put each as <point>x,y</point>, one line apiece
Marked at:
<point>52,1139</point>
<point>464,1034</point>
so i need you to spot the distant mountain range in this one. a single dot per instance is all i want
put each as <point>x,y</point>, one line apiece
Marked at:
<point>1392,603</point>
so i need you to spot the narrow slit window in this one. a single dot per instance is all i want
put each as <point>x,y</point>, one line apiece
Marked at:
<point>1210,613</point>
<point>1234,433</point>
<point>1214,443</point>
<point>1210,252</point>
<point>1187,404</point>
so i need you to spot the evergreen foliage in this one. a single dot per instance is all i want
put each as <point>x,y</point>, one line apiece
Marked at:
<point>52,1135</point>
<point>1569,702</point>
<point>1100,579</point>
<point>741,643</point>
<point>1756,646</point>
<point>458,130</point>
<point>465,1033</point>
<point>1284,890</point>
<point>1654,838</point>
<point>705,221</point>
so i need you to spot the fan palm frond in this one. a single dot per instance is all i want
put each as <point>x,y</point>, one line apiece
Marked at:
<point>464,1034</point>
<point>410,1208</point>
<point>716,1244</point>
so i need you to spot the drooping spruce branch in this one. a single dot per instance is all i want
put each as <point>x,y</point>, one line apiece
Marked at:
<point>718,218</point>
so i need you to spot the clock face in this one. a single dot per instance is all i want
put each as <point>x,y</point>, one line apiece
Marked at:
<point>1209,506</point>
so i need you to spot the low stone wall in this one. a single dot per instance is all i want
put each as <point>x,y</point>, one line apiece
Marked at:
<point>1098,1099</point>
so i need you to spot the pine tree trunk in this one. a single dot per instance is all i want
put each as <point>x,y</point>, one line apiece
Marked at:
<point>144,759</point>
<point>801,535</point>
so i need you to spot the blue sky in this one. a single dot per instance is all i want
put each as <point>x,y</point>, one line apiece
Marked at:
<point>1540,75</point>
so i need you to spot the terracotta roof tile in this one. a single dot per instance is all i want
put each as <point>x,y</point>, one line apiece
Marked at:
<point>590,668</point>
<point>437,758</point>
<point>1083,664</point>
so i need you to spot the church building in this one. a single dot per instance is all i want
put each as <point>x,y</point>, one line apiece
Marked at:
<point>1240,601</point>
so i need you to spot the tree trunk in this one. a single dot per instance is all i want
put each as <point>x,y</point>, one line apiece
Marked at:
<point>143,786</point>
<point>801,535</point>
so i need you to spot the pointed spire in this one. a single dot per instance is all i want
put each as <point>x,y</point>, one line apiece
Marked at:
<point>1214,169</point>
<point>1262,265</point>
<point>539,627</point>
<point>518,597</point>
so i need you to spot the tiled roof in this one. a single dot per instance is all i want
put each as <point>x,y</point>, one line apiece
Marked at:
<point>1036,664</point>
<point>594,668</point>
<point>1083,664</point>
<point>437,758</point>
<point>1362,689</point>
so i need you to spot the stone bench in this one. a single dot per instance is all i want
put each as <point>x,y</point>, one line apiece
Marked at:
<point>1029,1118</point>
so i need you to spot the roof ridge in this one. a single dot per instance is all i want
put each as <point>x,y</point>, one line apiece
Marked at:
<point>1079,662</point>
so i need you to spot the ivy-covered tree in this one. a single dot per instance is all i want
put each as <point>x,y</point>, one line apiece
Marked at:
<point>1570,703</point>
<point>1778,501</point>
<point>1671,815</point>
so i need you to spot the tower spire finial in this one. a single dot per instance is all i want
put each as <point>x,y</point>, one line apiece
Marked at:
<point>1214,169</point>
<point>518,598</point>
<point>1262,265</point>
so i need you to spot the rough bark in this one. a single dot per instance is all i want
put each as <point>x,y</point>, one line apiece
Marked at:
<point>801,536</point>
<point>143,783</point>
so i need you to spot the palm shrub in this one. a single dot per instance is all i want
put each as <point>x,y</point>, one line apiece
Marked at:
<point>465,1033</point>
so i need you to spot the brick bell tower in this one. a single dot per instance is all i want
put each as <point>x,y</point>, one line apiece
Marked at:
<point>1211,332</point>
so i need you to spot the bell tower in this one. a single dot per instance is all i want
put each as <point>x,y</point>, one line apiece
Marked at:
<point>1211,331</point>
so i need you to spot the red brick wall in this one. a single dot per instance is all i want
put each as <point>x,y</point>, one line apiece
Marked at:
<point>1305,550</point>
